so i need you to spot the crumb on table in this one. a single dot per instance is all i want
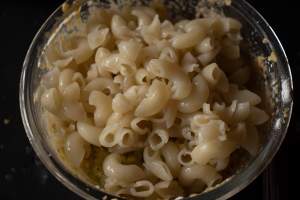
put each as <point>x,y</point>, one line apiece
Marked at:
<point>6,121</point>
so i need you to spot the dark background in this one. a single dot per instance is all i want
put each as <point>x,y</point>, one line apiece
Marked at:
<point>22,176</point>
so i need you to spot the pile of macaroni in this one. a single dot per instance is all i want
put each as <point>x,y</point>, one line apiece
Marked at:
<point>164,102</point>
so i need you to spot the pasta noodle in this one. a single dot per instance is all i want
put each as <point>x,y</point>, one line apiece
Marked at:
<point>142,189</point>
<point>156,98</point>
<point>181,85</point>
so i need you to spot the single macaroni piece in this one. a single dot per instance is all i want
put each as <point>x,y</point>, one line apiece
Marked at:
<point>142,188</point>
<point>215,149</point>
<point>198,96</point>
<point>141,125</point>
<point>205,173</point>
<point>147,107</point>
<point>113,167</point>
<point>181,84</point>
<point>103,105</point>
<point>184,157</point>
<point>75,148</point>
<point>89,133</point>
<point>169,153</point>
<point>155,100</point>
<point>158,138</point>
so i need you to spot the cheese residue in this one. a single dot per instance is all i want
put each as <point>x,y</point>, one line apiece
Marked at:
<point>272,57</point>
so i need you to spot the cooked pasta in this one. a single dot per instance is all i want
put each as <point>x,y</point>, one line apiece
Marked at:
<point>147,107</point>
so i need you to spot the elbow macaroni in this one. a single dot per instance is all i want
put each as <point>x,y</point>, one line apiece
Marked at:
<point>154,97</point>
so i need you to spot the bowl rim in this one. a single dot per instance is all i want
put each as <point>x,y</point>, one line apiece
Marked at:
<point>226,190</point>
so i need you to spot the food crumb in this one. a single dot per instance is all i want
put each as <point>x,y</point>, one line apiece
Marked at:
<point>104,198</point>
<point>227,2</point>
<point>6,121</point>
<point>65,7</point>
<point>8,177</point>
<point>272,57</point>
<point>265,41</point>
<point>97,186</point>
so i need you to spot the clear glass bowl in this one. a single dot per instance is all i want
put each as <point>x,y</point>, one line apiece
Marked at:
<point>276,78</point>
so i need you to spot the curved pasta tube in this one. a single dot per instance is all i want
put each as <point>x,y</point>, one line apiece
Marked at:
<point>51,78</point>
<point>199,120</point>
<point>257,116</point>
<point>71,92</point>
<point>81,53</point>
<point>75,148</point>
<point>152,33</point>
<point>120,104</point>
<point>103,107</point>
<point>105,85</point>
<point>168,189</point>
<point>167,29</point>
<point>189,63</point>
<point>215,149</point>
<point>119,120</point>
<point>198,96</point>
<point>144,15</point>
<point>156,98</point>
<point>74,111</point>
<point>181,84</point>
<point>142,76</point>
<point>243,96</point>
<point>214,129</point>
<point>126,138</point>
<point>107,137</point>
<point>205,173</point>
<point>124,81</point>
<point>51,100</point>
<point>208,57</point>
<point>216,77</point>
<point>120,29</point>
<point>158,138</point>
<point>170,113</point>
<point>169,153</point>
<point>115,186</point>
<point>143,188</point>
<point>242,112</point>
<point>99,36</point>
<point>89,133</point>
<point>221,164</point>
<point>188,39</point>
<point>150,155</point>
<point>101,54</point>
<point>185,157</point>
<point>113,167</point>
<point>135,94</point>
<point>141,125</point>
<point>130,49</point>
<point>159,169</point>
<point>79,79</point>
<point>65,78</point>
<point>169,54</point>
<point>207,45</point>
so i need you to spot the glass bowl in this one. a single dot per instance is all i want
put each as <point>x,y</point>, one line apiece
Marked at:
<point>261,41</point>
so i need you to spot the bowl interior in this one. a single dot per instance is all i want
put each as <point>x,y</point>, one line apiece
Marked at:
<point>274,82</point>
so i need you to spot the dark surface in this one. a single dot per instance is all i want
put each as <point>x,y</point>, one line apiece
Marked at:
<point>22,176</point>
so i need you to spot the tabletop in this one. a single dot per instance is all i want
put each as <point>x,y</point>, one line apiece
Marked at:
<point>22,175</point>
